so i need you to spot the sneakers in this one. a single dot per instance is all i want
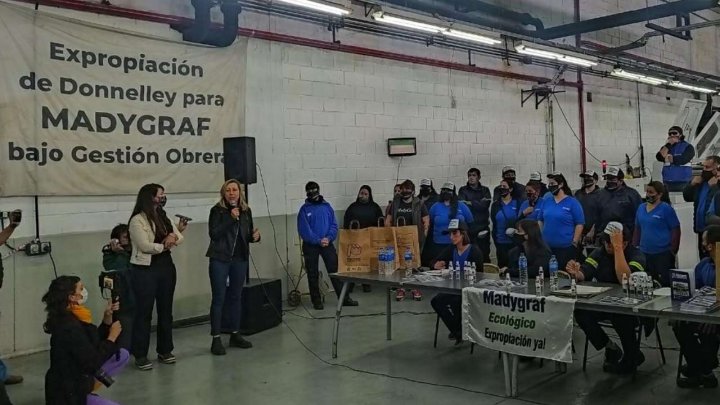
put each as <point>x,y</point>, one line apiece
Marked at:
<point>349,302</point>
<point>143,364</point>
<point>400,294</point>
<point>704,381</point>
<point>366,288</point>
<point>167,358</point>
<point>318,305</point>
<point>416,294</point>
<point>13,379</point>
<point>217,347</point>
<point>237,341</point>
<point>613,355</point>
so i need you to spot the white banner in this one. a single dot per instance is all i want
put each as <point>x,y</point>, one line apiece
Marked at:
<point>521,324</point>
<point>87,110</point>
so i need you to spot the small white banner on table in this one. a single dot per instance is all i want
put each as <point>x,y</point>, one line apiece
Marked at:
<point>521,324</point>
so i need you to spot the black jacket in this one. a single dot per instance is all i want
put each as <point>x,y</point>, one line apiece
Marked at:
<point>536,259</point>
<point>77,351</point>
<point>475,256</point>
<point>618,205</point>
<point>366,215</point>
<point>431,199</point>
<point>478,200</point>
<point>229,237</point>
<point>691,193</point>
<point>591,205</point>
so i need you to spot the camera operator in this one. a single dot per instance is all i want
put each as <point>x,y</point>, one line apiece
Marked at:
<point>116,262</point>
<point>82,355</point>
<point>5,379</point>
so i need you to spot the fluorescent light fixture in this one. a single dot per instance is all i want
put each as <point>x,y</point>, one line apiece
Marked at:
<point>637,77</point>
<point>692,88</point>
<point>470,37</point>
<point>559,55</point>
<point>405,23</point>
<point>325,7</point>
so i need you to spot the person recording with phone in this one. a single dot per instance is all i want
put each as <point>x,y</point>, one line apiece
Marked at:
<point>153,274</point>
<point>82,356</point>
<point>116,263</point>
<point>231,233</point>
<point>6,379</point>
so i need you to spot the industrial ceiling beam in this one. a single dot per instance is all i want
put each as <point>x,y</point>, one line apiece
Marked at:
<point>626,18</point>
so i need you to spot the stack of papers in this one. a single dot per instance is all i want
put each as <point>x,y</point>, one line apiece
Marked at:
<point>583,291</point>
<point>701,304</point>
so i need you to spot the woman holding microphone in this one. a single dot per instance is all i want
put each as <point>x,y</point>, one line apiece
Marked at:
<point>153,274</point>
<point>231,232</point>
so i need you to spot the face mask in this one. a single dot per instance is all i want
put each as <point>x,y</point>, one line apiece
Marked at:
<point>84,296</point>
<point>650,199</point>
<point>504,191</point>
<point>611,184</point>
<point>707,175</point>
<point>406,194</point>
<point>554,189</point>
<point>364,200</point>
<point>518,239</point>
<point>163,201</point>
<point>532,197</point>
<point>509,179</point>
<point>446,195</point>
<point>588,183</point>
<point>424,191</point>
<point>313,194</point>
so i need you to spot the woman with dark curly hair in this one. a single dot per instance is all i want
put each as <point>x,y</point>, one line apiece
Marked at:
<point>79,350</point>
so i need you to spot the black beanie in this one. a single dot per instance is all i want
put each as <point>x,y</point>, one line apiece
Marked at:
<point>311,185</point>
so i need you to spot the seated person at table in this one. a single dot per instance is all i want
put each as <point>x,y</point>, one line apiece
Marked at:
<point>460,252</point>
<point>699,342</point>
<point>607,264</point>
<point>528,240</point>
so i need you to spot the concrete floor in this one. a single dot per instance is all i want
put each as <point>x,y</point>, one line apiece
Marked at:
<point>278,370</point>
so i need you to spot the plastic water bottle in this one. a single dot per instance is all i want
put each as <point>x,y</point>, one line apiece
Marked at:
<point>625,287</point>
<point>541,278</point>
<point>508,283</point>
<point>381,261</point>
<point>523,266</point>
<point>391,260</point>
<point>408,259</point>
<point>651,289</point>
<point>553,273</point>
<point>573,288</point>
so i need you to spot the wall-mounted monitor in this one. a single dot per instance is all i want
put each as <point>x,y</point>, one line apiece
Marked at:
<point>401,147</point>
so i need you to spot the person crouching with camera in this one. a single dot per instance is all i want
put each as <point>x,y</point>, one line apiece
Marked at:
<point>116,265</point>
<point>231,232</point>
<point>82,355</point>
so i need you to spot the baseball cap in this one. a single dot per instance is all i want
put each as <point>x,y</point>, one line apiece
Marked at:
<point>555,174</point>
<point>455,225</point>
<point>612,227</point>
<point>425,182</point>
<point>535,176</point>
<point>506,169</point>
<point>449,185</point>
<point>589,173</point>
<point>614,172</point>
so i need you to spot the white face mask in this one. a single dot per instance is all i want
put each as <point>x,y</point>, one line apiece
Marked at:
<point>84,296</point>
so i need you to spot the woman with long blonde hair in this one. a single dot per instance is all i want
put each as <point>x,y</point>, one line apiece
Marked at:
<point>231,232</point>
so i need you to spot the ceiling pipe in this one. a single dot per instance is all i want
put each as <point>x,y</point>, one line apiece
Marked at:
<point>627,18</point>
<point>580,95</point>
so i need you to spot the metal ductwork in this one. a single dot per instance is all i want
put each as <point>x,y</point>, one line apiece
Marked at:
<point>202,31</point>
<point>475,12</point>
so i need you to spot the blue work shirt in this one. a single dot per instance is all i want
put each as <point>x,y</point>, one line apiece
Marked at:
<point>702,206</point>
<point>656,227</point>
<point>440,219</point>
<point>508,214</point>
<point>538,206</point>
<point>705,273</point>
<point>559,221</point>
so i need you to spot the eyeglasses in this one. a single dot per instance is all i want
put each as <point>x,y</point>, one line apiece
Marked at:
<point>673,133</point>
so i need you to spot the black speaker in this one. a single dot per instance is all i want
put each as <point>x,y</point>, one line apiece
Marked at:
<point>239,159</point>
<point>261,307</point>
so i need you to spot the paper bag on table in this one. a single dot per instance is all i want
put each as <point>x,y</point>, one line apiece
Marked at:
<point>355,251</point>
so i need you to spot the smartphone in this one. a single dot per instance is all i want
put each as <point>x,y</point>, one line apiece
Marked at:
<point>183,218</point>
<point>15,216</point>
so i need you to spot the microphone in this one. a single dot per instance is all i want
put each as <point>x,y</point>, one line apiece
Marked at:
<point>233,205</point>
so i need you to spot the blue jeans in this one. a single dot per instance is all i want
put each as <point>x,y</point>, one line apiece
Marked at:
<point>3,371</point>
<point>224,295</point>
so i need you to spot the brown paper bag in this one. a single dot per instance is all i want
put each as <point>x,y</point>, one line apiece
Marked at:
<point>355,251</point>
<point>407,237</point>
<point>381,237</point>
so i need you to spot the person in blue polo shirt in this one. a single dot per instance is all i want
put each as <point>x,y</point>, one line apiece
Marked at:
<point>700,192</point>
<point>441,213</point>
<point>504,214</point>
<point>676,155</point>
<point>700,342</point>
<point>562,221</point>
<point>657,232</point>
<point>530,208</point>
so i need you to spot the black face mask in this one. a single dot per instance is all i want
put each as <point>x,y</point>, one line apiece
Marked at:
<point>446,195</point>
<point>707,175</point>
<point>611,184</point>
<point>588,183</point>
<point>532,197</point>
<point>554,189</point>
<point>313,195</point>
<point>425,191</point>
<point>518,239</point>
<point>406,194</point>
<point>163,201</point>
<point>509,179</point>
<point>504,192</point>
<point>650,200</point>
